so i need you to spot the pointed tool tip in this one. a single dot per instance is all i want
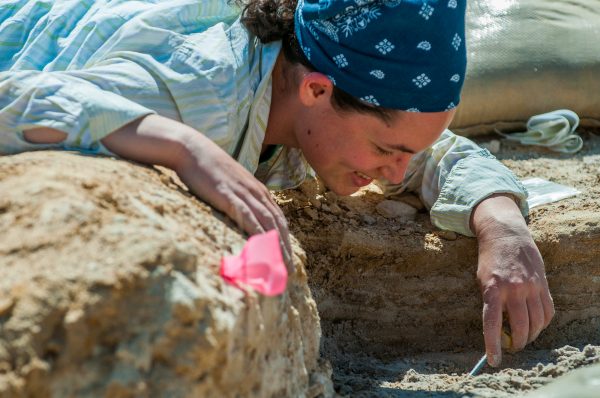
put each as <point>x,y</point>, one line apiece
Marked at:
<point>477,368</point>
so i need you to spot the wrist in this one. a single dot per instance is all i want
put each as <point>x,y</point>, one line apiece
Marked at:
<point>496,216</point>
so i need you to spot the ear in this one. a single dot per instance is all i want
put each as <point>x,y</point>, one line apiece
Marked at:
<point>315,87</point>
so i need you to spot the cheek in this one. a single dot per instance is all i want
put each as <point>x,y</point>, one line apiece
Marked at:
<point>313,147</point>
<point>362,158</point>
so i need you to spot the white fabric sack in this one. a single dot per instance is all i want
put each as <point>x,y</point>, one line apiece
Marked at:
<point>528,57</point>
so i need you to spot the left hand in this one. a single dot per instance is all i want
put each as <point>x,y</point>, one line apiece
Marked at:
<point>511,275</point>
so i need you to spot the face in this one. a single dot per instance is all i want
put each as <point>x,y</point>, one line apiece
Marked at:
<point>348,149</point>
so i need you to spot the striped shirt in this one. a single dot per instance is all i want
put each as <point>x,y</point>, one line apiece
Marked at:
<point>89,67</point>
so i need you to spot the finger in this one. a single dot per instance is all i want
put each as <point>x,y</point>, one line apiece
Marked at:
<point>244,217</point>
<point>276,219</point>
<point>536,317</point>
<point>284,239</point>
<point>286,247</point>
<point>492,324</point>
<point>280,220</point>
<point>518,317</point>
<point>284,234</point>
<point>270,216</point>
<point>548,305</point>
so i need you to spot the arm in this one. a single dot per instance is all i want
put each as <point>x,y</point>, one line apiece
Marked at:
<point>470,192</point>
<point>99,110</point>
<point>511,275</point>
<point>204,167</point>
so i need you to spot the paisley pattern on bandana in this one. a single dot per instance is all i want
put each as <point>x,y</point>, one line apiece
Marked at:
<point>398,54</point>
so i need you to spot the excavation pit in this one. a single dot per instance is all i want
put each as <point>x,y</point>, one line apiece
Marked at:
<point>395,296</point>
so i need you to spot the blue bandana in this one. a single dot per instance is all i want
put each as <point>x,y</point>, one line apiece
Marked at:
<point>399,54</point>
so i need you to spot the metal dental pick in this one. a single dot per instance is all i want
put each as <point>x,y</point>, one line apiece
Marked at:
<point>477,368</point>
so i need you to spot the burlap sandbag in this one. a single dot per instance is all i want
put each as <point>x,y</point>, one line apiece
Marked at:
<point>528,57</point>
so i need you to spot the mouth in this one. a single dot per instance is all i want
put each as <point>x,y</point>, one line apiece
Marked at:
<point>361,179</point>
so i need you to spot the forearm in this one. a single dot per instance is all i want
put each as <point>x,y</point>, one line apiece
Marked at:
<point>496,216</point>
<point>154,140</point>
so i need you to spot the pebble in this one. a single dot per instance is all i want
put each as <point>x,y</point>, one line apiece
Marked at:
<point>312,213</point>
<point>315,202</point>
<point>411,376</point>
<point>331,197</point>
<point>447,235</point>
<point>589,351</point>
<point>411,200</point>
<point>493,146</point>
<point>396,209</point>
<point>335,209</point>
<point>368,219</point>
<point>6,304</point>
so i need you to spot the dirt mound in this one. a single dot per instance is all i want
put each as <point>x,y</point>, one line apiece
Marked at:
<point>110,287</point>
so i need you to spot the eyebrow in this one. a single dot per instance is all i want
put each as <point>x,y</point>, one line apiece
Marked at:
<point>400,147</point>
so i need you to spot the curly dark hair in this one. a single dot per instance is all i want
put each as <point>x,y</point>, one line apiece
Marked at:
<point>272,20</point>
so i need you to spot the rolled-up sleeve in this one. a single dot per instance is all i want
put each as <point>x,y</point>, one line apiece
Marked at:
<point>453,176</point>
<point>63,101</point>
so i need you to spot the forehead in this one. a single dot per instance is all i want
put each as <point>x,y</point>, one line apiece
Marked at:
<point>406,131</point>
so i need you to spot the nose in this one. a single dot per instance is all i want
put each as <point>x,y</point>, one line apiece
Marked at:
<point>394,170</point>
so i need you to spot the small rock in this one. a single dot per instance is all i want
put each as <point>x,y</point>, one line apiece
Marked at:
<point>550,370</point>
<point>331,196</point>
<point>412,200</point>
<point>395,209</point>
<point>368,219</point>
<point>374,187</point>
<point>447,235</point>
<point>4,205</point>
<point>315,202</point>
<point>312,187</point>
<point>335,209</point>
<point>411,376</point>
<point>589,351</point>
<point>493,146</point>
<point>312,213</point>
<point>539,367</point>
<point>89,184</point>
<point>328,218</point>
<point>6,305</point>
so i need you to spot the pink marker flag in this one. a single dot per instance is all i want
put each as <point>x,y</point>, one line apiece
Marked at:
<point>260,265</point>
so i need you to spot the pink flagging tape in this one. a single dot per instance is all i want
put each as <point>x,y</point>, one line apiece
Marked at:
<point>260,265</point>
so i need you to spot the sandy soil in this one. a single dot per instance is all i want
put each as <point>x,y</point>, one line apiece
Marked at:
<point>390,328</point>
<point>446,374</point>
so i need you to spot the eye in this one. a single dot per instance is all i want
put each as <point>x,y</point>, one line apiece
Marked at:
<point>382,151</point>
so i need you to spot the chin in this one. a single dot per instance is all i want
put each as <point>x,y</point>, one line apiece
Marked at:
<point>341,186</point>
